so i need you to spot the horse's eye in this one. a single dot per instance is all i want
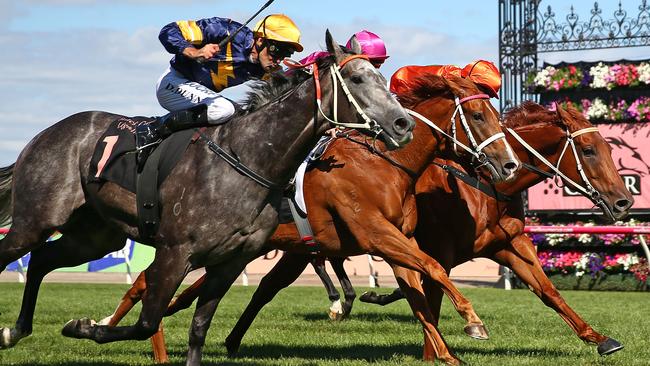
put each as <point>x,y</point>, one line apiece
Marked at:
<point>588,151</point>
<point>357,79</point>
<point>478,116</point>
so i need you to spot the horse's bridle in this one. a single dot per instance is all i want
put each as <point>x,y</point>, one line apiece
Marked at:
<point>369,124</point>
<point>587,189</point>
<point>477,149</point>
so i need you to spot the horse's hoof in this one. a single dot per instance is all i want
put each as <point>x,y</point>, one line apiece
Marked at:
<point>609,346</point>
<point>370,297</point>
<point>79,328</point>
<point>5,338</point>
<point>335,316</point>
<point>454,362</point>
<point>477,331</point>
<point>232,346</point>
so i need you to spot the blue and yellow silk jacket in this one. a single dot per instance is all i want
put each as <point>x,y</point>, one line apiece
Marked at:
<point>232,65</point>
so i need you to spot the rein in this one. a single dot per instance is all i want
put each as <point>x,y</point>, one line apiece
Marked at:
<point>474,182</point>
<point>374,150</point>
<point>234,161</point>
<point>586,189</point>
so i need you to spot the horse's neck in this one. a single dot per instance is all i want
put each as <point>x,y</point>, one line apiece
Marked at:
<point>418,154</point>
<point>545,139</point>
<point>274,140</point>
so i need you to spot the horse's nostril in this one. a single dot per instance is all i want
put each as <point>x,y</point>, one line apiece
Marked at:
<point>511,166</point>
<point>622,204</point>
<point>401,125</point>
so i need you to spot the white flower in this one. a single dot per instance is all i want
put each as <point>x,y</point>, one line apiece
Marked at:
<point>585,238</point>
<point>644,72</point>
<point>598,109</point>
<point>600,76</point>
<point>543,77</point>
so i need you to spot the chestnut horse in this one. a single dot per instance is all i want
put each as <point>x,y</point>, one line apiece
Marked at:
<point>380,217</point>
<point>215,213</point>
<point>444,203</point>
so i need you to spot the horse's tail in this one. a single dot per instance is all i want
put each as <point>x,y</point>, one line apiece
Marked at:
<point>6,177</point>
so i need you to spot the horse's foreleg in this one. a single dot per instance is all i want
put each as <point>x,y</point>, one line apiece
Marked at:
<point>163,277</point>
<point>346,284</point>
<point>434,344</point>
<point>384,239</point>
<point>215,284</point>
<point>522,259</point>
<point>335,311</point>
<point>284,273</point>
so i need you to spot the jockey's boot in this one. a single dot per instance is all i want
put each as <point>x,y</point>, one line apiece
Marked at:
<point>149,135</point>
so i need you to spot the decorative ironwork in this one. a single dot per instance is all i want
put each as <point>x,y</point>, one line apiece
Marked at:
<point>517,48</point>
<point>594,33</point>
<point>525,31</point>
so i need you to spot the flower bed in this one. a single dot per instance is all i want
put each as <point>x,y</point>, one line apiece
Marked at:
<point>599,262</point>
<point>619,110</point>
<point>598,76</point>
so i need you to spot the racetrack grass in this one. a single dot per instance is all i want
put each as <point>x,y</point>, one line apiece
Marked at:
<point>294,330</point>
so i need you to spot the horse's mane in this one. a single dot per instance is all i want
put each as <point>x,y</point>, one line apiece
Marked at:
<point>428,86</point>
<point>529,113</point>
<point>266,91</point>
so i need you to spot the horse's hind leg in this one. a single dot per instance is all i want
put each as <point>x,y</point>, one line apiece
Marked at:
<point>335,311</point>
<point>522,259</point>
<point>78,245</point>
<point>346,284</point>
<point>284,273</point>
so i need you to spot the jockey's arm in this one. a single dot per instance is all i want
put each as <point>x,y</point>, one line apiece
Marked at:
<point>194,39</point>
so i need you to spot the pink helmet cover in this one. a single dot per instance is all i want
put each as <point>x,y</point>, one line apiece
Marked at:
<point>371,45</point>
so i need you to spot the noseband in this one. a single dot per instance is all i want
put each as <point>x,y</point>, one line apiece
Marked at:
<point>477,149</point>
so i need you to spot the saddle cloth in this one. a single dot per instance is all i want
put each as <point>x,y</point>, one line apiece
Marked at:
<point>114,156</point>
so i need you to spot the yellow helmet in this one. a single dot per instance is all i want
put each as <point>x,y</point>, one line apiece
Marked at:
<point>280,28</point>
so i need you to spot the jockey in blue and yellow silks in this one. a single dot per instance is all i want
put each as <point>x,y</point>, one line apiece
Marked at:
<point>200,69</point>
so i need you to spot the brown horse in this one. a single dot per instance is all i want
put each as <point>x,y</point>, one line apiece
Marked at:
<point>445,204</point>
<point>373,211</point>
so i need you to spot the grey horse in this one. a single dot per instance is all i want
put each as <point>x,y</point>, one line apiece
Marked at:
<point>211,215</point>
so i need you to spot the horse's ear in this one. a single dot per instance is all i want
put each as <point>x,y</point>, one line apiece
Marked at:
<point>333,47</point>
<point>355,45</point>
<point>561,112</point>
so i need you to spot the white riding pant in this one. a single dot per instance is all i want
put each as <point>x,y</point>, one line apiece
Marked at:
<point>175,93</point>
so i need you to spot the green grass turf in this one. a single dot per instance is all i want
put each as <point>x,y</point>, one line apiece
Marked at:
<point>294,330</point>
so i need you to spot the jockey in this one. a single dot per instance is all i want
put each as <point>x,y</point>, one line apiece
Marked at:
<point>200,69</point>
